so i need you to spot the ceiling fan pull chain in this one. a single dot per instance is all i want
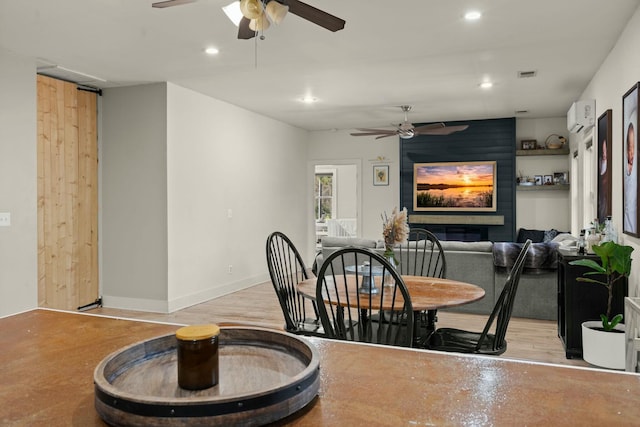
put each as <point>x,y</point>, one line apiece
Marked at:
<point>255,52</point>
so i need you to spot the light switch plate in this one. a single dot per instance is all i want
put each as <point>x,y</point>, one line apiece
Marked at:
<point>5,219</point>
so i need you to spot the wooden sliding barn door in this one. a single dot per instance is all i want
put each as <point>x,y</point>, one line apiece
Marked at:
<point>67,195</point>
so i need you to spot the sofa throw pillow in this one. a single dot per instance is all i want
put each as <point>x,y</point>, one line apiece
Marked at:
<point>536,236</point>
<point>549,235</point>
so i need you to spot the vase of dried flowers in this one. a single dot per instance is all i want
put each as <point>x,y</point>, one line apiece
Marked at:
<point>395,230</point>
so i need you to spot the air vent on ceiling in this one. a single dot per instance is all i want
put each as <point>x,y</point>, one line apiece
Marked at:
<point>526,74</point>
<point>522,111</point>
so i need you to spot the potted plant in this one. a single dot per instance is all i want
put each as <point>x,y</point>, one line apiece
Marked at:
<point>603,342</point>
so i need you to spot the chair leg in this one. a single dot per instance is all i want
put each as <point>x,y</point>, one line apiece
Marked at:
<point>425,324</point>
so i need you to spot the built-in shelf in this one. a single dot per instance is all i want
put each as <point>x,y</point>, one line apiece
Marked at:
<point>543,152</point>
<point>554,187</point>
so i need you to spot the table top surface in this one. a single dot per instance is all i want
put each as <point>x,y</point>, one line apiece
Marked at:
<point>427,293</point>
<point>48,360</point>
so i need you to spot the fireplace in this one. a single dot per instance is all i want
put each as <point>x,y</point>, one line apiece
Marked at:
<point>485,141</point>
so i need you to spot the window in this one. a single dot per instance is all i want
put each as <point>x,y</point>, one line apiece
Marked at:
<point>323,196</point>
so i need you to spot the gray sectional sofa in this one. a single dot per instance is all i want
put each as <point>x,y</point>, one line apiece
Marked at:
<point>474,262</point>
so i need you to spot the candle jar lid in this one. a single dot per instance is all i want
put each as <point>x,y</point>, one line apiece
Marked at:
<point>197,332</point>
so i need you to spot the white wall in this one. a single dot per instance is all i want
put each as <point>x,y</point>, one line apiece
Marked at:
<point>617,74</point>
<point>18,184</point>
<point>223,158</point>
<point>542,210</point>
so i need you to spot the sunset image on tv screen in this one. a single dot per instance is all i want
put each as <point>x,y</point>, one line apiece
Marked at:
<point>446,186</point>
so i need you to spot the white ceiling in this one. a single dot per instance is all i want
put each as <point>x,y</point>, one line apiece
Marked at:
<point>417,52</point>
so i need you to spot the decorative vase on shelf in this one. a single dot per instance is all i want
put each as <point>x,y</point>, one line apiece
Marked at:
<point>389,256</point>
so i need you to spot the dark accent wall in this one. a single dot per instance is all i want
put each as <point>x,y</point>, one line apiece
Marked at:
<point>484,140</point>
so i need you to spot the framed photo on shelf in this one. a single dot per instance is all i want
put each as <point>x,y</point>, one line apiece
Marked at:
<point>381,175</point>
<point>548,180</point>
<point>604,165</point>
<point>529,144</point>
<point>630,161</point>
<point>538,179</point>
<point>561,178</point>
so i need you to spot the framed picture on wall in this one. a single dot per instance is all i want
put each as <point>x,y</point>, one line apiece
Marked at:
<point>604,165</point>
<point>630,161</point>
<point>381,175</point>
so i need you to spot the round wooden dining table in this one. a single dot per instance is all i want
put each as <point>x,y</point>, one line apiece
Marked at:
<point>428,294</point>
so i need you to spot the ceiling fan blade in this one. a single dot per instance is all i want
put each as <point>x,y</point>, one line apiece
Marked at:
<point>317,16</point>
<point>369,134</point>
<point>384,136</point>
<point>244,32</point>
<point>376,130</point>
<point>429,127</point>
<point>170,3</point>
<point>447,130</point>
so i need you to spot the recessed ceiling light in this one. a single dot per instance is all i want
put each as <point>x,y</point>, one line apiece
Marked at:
<point>309,99</point>
<point>486,85</point>
<point>211,51</point>
<point>472,15</point>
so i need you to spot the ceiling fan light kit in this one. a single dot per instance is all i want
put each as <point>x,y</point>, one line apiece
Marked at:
<point>261,23</point>
<point>276,11</point>
<point>251,9</point>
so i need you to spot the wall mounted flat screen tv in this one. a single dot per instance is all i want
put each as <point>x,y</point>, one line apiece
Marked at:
<point>454,186</point>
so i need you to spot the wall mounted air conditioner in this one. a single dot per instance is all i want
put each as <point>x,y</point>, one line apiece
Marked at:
<point>581,115</point>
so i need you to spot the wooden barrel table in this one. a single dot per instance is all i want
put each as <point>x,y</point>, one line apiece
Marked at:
<point>265,375</point>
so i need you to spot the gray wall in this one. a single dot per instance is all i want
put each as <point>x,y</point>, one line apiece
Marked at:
<point>134,196</point>
<point>18,183</point>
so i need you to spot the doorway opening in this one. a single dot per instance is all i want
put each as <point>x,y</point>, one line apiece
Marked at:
<point>335,201</point>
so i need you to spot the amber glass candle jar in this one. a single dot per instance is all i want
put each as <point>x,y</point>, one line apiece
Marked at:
<point>198,356</point>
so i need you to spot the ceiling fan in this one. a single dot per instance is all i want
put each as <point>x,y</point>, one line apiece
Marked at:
<point>257,14</point>
<point>406,130</point>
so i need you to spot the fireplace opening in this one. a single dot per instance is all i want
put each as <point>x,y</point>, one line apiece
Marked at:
<point>462,233</point>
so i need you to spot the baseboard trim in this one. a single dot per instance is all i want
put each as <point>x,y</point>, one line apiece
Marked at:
<point>162,306</point>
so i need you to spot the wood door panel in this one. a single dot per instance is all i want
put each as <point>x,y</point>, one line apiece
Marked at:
<point>67,195</point>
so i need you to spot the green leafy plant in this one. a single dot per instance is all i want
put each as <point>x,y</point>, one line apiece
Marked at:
<point>615,264</point>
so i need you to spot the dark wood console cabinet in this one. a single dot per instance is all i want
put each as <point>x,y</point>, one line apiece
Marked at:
<point>580,301</point>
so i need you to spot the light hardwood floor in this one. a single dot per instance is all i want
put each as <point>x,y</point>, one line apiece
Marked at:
<point>528,339</point>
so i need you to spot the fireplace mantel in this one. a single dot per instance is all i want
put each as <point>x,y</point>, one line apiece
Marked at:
<point>457,219</point>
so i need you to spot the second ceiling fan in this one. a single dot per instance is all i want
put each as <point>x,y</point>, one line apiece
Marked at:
<point>406,130</point>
